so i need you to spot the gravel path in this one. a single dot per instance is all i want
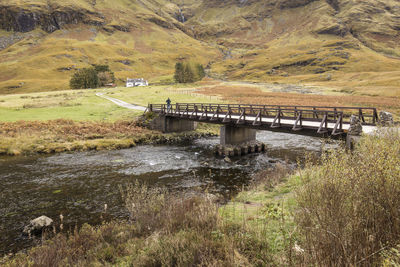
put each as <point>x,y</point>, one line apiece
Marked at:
<point>121,103</point>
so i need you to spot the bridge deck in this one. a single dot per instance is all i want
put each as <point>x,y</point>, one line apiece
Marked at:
<point>321,120</point>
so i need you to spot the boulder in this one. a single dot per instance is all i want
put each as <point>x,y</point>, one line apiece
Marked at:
<point>37,225</point>
<point>386,118</point>
<point>355,126</point>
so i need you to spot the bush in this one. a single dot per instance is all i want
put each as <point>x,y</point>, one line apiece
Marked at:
<point>349,206</point>
<point>164,230</point>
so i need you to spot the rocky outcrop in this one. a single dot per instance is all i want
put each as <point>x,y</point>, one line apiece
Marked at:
<point>335,29</point>
<point>6,41</point>
<point>224,3</point>
<point>50,20</point>
<point>334,4</point>
<point>294,3</point>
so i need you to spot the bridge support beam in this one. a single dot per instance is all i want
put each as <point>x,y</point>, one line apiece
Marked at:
<point>231,135</point>
<point>172,125</point>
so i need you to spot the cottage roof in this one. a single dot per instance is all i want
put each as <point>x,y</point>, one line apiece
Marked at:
<point>135,80</point>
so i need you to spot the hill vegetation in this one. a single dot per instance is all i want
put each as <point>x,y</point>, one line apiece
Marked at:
<point>339,43</point>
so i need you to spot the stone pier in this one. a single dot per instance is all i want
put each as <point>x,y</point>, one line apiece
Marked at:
<point>354,133</point>
<point>231,135</point>
<point>240,149</point>
<point>172,125</point>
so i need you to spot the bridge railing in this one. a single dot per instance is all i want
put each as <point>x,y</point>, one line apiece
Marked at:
<point>252,115</point>
<point>368,116</point>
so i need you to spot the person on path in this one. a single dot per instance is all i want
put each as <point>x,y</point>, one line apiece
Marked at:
<point>168,104</point>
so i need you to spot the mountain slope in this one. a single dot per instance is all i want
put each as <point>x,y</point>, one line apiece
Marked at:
<point>344,43</point>
<point>51,41</point>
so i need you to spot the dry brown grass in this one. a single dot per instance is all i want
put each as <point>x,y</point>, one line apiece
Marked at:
<point>253,95</point>
<point>165,230</point>
<point>348,207</point>
<point>57,136</point>
<point>65,130</point>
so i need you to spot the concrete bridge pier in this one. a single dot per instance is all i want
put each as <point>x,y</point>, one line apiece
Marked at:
<point>172,125</point>
<point>230,135</point>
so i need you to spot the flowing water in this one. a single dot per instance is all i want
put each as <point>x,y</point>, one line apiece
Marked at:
<point>78,185</point>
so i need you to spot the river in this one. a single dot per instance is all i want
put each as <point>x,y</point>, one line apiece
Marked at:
<point>78,185</point>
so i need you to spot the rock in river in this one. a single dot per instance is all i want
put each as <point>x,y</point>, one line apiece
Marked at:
<point>228,160</point>
<point>37,225</point>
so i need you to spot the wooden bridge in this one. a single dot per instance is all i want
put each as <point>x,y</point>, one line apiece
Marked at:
<point>307,120</point>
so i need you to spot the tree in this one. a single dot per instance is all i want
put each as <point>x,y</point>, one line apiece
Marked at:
<point>188,74</point>
<point>105,78</point>
<point>102,68</point>
<point>84,78</point>
<point>179,72</point>
<point>105,74</point>
<point>200,71</point>
<point>93,77</point>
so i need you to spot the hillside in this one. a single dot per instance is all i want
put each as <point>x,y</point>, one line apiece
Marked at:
<point>349,44</point>
<point>47,40</point>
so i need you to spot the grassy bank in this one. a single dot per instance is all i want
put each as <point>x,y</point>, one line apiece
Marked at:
<point>78,120</point>
<point>341,211</point>
<point>24,137</point>
<point>84,105</point>
<point>77,105</point>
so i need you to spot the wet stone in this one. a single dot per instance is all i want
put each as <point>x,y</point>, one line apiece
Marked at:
<point>37,225</point>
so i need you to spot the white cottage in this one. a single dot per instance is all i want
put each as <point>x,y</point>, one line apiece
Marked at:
<point>136,82</point>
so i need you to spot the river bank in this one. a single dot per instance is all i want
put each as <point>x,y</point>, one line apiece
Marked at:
<point>342,210</point>
<point>56,136</point>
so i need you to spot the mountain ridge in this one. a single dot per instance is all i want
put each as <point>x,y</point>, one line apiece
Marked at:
<point>253,40</point>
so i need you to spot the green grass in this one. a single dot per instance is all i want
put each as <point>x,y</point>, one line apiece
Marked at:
<point>268,212</point>
<point>159,94</point>
<point>84,105</point>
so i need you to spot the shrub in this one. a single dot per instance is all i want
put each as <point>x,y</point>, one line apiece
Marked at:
<point>153,209</point>
<point>164,230</point>
<point>349,206</point>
